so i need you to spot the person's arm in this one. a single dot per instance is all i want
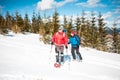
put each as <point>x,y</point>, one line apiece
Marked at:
<point>66,42</point>
<point>53,39</point>
<point>69,42</point>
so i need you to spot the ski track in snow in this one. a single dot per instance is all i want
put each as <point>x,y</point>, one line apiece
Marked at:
<point>31,53</point>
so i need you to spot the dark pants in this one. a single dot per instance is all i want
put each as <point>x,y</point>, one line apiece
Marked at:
<point>59,54</point>
<point>73,50</point>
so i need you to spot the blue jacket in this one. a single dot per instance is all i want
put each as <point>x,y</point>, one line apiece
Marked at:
<point>74,41</point>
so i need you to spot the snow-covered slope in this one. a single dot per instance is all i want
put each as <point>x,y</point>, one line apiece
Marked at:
<point>24,57</point>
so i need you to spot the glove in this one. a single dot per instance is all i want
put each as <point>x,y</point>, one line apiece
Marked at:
<point>51,43</point>
<point>77,46</point>
<point>66,47</point>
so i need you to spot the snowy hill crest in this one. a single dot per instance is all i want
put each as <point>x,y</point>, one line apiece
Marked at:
<point>24,57</point>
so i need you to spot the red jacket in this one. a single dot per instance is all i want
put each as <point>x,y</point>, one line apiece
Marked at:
<point>60,39</point>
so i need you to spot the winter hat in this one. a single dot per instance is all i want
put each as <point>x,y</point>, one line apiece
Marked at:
<point>64,31</point>
<point>61,28</point>
<point>73,32</point>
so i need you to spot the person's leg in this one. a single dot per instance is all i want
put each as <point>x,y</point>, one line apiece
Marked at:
<point>60,56</point>
<point>73,53</point>
<point>56,49</point>
<point>57,53</point>
<point>62,53</point>
<point>78,53</point>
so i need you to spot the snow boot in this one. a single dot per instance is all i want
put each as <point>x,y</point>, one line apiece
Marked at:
<point>57,58</point>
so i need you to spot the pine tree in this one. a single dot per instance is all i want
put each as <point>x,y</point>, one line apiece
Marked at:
<point>16,22</point>
<point>55,22</point>
<point>118,48</point>
<point>70,25</point>
<point>102,33</point>
<point>34,23</point>
<point>2,24</point>
<point>65,22</point>
<point>87,35</point>
<point>78,24</point>
<point>48,31</point>
<point>82,27</point>
<point>38,23</point>
<point>8,22</point>
<point>19,22</point>
<point>116,40</point>
<point>27,27</point>
<point>13,20</point>
<point>41,28</point>
<point>1,21</point>
<point>94,33</point>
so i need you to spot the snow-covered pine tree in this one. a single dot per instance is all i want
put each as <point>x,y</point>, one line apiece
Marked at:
<point>65,24</point>
<point>27,26</point>
<point>19,22</point>
<point>87,34</point>
<point>2,21</point>
<point>116,39</point>
<point>94,32</point>
<point>78,24</point>
<point>70,25</point>
<point>82,27</point>
<point>102,34</point>
<point>34,23</point>
<point>55,22</point>
<point>38,22</point>
<point>48,27</point>
<point>8,22</point>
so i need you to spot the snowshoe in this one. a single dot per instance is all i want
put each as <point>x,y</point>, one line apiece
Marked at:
<point>56,65</point>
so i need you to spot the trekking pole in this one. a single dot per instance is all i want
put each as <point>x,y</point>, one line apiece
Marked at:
<point>69,59</point>
<point>50,53</point>
<point>51,49</point>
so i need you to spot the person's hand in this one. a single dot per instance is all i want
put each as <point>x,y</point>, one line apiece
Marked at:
<point>68,42</point>
<point>66,47</point>
<point>77,46</point>
<point>52,43</point>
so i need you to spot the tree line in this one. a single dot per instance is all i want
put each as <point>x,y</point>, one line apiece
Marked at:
<point>92,30</point>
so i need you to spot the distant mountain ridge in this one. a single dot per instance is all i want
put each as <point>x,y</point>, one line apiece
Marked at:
<point>109,31</point>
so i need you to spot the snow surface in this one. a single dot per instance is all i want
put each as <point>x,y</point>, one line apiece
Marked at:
<point>24,57</point>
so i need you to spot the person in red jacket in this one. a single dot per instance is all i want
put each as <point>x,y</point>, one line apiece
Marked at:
<point>60,41</point>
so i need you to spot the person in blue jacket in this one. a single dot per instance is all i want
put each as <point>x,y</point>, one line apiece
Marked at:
<point>75,40</point>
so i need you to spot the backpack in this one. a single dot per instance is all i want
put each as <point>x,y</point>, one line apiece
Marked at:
<point>78,39</point>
